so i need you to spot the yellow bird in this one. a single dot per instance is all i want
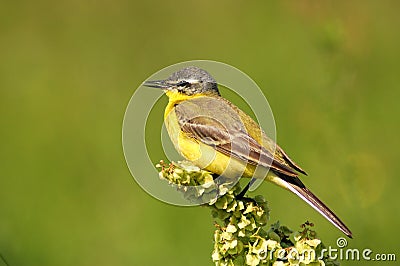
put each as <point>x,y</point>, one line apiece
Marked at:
<point>217,136</point>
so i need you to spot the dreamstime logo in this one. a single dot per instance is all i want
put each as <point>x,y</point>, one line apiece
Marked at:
<point>142,117</point>
<point>341,242</point>
<point>340,252</point>
<point>344,253</point>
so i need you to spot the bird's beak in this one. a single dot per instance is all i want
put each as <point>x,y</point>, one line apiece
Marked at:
<point>161,84</point>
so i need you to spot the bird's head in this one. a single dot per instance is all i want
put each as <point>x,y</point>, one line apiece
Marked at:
<point>189,81</point>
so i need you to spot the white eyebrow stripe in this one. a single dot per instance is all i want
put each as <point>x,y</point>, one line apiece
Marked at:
<point>192,80</point>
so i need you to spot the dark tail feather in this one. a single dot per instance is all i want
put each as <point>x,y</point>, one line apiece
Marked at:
<point>319,206</point>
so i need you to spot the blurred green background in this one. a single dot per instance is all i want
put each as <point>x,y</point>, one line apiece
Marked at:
<point>329,69</point>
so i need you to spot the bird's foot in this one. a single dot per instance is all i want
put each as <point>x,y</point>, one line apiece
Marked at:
<point>242,194</point>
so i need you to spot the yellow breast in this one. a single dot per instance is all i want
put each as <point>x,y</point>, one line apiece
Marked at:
<point>202,155</point>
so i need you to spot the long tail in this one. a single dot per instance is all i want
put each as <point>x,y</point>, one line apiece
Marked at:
<point>298,188</point>
<point>319,206</point>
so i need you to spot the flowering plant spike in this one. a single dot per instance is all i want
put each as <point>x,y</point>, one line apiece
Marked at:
<point>241,236</point>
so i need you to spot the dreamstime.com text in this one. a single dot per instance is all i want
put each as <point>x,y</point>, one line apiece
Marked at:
<point>338,253</point>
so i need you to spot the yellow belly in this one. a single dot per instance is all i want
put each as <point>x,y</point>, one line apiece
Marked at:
<point>205,156</point>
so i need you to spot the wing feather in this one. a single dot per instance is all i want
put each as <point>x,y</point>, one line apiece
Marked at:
<point>217,124</point>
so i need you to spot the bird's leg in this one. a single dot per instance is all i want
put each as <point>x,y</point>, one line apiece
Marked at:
<point>215,178</point>
<point>246,188</point>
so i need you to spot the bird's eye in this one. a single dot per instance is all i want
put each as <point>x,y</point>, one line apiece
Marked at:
<point>183,83</point>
